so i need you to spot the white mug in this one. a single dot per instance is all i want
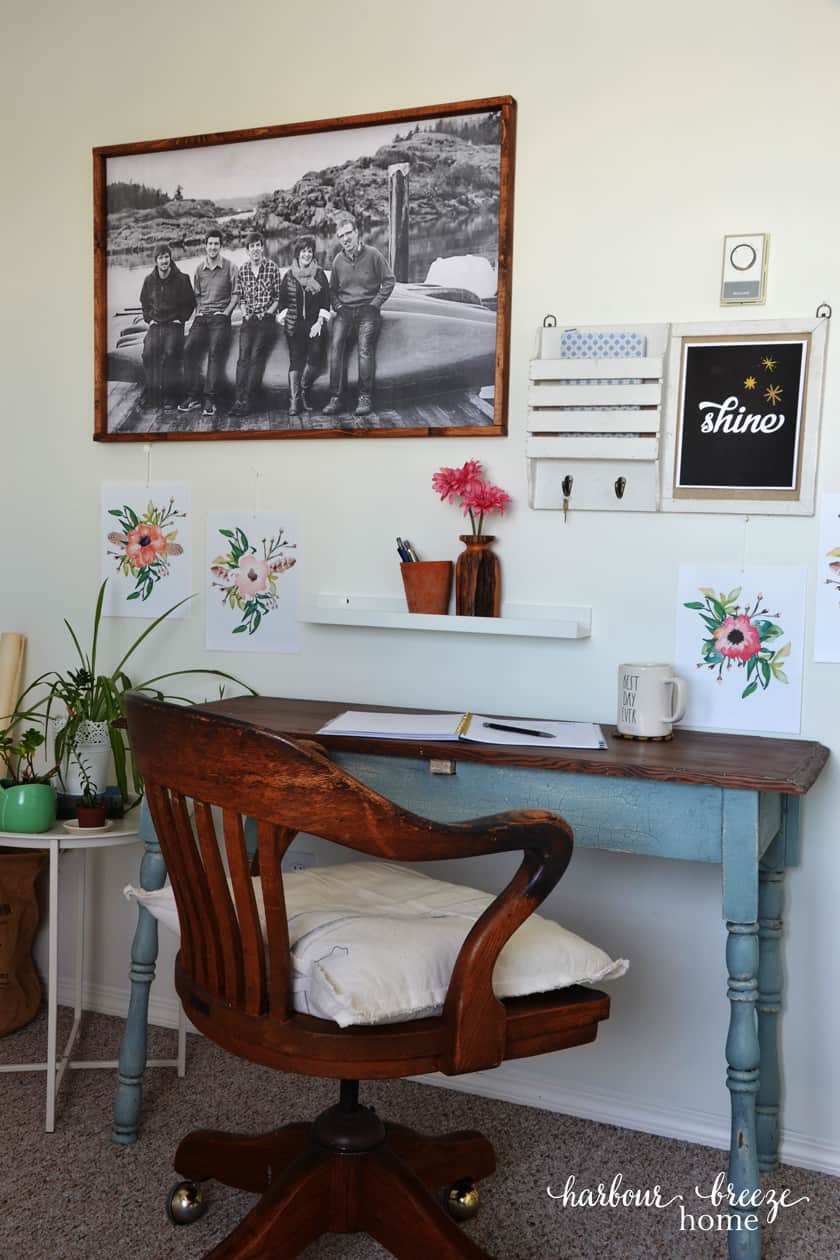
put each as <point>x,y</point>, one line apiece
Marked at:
<point>650,699</point>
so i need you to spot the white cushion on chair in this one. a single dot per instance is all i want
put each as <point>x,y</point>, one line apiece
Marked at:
<point>375,942</point>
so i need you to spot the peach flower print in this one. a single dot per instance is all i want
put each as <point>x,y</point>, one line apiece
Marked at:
<point>144,545</point>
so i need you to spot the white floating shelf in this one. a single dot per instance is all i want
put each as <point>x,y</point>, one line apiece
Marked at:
<point>536,621</point>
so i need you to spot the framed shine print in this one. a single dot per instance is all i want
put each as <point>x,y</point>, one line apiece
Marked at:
<point>341,278</point>
<point>742,417</point>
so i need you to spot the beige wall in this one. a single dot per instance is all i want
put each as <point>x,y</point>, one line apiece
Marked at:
<point>645,132</point>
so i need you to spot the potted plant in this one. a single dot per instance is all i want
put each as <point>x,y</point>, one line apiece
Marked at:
<point>84,703</point>
<point>90,811</point>
<point>27,798</point>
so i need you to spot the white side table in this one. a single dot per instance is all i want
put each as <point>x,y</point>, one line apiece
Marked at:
<point>124,831</point>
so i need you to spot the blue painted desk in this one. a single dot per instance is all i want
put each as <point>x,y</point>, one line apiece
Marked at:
<point>728,799</point>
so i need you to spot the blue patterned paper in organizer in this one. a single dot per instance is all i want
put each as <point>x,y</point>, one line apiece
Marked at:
<point>603,345</point>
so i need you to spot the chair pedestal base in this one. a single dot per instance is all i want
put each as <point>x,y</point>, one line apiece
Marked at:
<point>315,1179</point>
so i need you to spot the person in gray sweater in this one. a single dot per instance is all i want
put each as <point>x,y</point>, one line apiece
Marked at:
<point>361,283</point>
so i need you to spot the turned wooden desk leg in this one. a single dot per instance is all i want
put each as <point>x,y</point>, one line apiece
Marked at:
<point>771,876</point>
<point>144,950</point>
<point>742,1058</point>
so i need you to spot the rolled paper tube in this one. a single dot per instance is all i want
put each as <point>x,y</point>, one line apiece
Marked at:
<point>11,664</point>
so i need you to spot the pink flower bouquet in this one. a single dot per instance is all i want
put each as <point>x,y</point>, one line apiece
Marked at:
<point>467,485</point>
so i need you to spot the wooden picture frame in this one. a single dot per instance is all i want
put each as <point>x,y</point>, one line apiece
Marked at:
<point>431,190</point>
<point>742,416</point>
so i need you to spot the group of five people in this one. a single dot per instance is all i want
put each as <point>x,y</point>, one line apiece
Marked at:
<point>189,372</point>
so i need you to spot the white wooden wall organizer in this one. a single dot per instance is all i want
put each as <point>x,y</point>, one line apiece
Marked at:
<point>594,417</point>
<point>718,417</point>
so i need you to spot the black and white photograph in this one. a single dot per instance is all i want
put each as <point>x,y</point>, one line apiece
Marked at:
<point>340,278</point>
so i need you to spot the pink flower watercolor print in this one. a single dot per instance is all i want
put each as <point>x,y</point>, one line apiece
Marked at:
<point>145,544</point>
<point>248,580</point>
<point>833,579</point>
<point>742,635</point>
<point>737,638</point>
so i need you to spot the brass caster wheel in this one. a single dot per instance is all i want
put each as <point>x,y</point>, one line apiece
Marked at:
<point>185,1203</point>
<point>463,1200</point>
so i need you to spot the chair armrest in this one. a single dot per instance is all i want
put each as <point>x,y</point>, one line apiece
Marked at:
<point>474,1016</point>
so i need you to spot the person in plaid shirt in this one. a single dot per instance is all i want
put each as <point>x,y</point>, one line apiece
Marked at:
<point>258,293</point>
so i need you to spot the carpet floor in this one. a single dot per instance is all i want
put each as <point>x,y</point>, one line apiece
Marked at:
<point>74,1195</point>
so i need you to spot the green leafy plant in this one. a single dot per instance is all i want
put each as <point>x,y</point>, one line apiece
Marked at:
<point>83,695</point>
<point>19,756</point>
<point>741,636</point>
<point>90,795</point>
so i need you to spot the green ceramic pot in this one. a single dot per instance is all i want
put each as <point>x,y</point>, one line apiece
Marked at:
<point>27,807</point>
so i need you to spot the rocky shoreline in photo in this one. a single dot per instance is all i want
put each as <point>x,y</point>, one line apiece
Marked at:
<point>450,179</point>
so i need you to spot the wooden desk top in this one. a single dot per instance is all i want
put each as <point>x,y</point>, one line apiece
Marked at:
<point>728,761</point>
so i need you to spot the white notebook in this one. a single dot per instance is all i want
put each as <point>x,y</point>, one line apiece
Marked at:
<point>472,727</point>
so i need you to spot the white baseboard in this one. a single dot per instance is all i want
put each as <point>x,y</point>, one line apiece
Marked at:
<point>109,1000</point>
<point>605,1107</point>
<point>514,1085</point>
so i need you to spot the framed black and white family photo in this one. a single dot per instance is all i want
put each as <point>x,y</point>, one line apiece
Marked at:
<point>348,277</point>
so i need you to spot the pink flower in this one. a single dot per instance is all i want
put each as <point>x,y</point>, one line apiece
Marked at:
<point>144,544</point>
<point>251,576</point>
<point>476,495</point>
<point>737,638</point>
<point>449,483</point>
<point>484,498</point>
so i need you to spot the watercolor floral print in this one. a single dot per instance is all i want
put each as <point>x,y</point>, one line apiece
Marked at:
<point>834,568</point>
<point>145,544</point>
<point>742,637</point>
<point>248,580</point>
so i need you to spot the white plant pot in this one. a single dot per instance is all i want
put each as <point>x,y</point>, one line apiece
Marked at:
<point>93,746</point>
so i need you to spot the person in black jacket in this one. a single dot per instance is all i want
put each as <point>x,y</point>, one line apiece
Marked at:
<point>304,315</point>
<point>167,300</point>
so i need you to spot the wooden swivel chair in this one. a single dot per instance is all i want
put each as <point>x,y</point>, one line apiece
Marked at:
<point>347,1171</point>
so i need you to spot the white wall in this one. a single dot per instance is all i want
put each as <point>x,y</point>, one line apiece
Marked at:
<point>645,132</point>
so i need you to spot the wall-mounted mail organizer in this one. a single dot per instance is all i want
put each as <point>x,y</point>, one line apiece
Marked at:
<point>594,417</point>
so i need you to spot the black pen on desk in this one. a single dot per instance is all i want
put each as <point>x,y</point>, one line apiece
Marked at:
<point>516,730</point>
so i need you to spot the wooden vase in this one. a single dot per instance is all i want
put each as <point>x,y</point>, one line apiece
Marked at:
<point>478,586</point>
<point>428,584</point>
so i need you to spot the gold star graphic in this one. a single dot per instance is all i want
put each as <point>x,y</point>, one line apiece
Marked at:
<point>769,363</point>
<point>773,393</point>
<point>750,382</point>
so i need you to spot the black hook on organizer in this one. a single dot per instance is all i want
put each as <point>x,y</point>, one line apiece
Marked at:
<point>620,486</point>
<point>823,311</point>
<point>550,321</point>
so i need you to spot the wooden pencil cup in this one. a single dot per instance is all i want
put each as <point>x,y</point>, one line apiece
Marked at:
<point>428,584</point>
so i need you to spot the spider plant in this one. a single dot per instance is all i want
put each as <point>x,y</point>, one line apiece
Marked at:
<point>85,695</point>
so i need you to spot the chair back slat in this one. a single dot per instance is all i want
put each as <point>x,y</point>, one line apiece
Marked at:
<point>272,844</point>
<point>163,817</point>
<point>226,966</point>
<point>196,893</point>
<point>254,998</point>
